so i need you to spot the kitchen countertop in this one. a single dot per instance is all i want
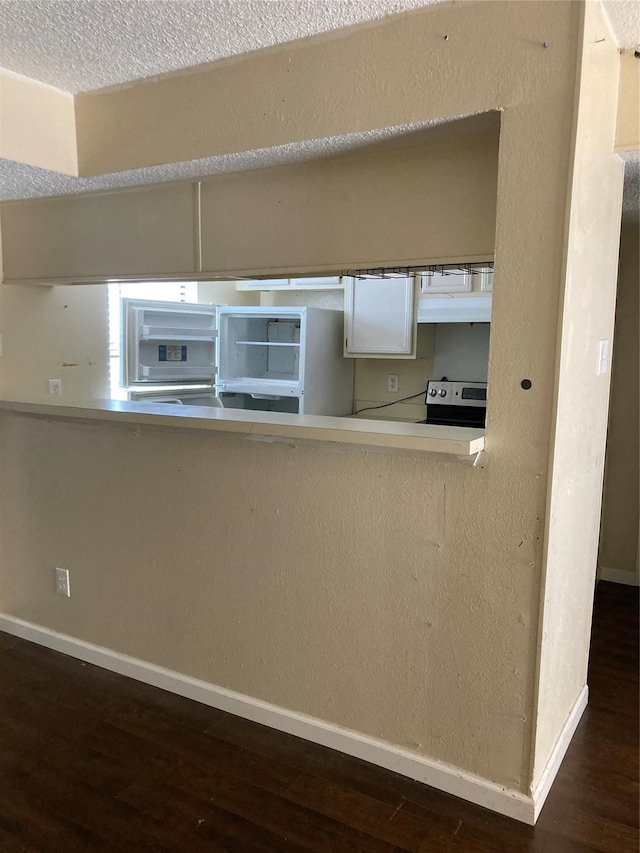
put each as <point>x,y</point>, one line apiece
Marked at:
<point>347,433</point>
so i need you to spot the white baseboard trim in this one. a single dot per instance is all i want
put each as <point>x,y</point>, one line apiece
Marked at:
<point>618,576</point>
<point>541,790</point>
<point>438,775</point>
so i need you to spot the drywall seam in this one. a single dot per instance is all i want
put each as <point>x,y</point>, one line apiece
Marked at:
<point>446,778</point>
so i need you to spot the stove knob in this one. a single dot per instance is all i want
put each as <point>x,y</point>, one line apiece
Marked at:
<point>432,392</point>
<point>442,392</point>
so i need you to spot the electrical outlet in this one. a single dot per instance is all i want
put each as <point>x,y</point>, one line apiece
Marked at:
<point>55,387</point>
<point>63,585</point>
<point>393,382</point>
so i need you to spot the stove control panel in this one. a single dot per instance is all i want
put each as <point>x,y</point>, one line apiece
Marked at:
<point>457,393</point>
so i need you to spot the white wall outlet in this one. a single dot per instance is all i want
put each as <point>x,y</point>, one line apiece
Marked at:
<point>393,382</point>
<point>55,387</point>
<point>63,584</point>
<point>603,357</point>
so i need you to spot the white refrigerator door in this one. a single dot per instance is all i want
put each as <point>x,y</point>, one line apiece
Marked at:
<point>167,342</point>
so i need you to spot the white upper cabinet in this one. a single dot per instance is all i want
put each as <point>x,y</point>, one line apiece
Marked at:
<point>446,280</point>
<point>469,279</point>
<point>380,317</point>
<point>319,282</point>
<point>456,294</point>
<point>485,275</point>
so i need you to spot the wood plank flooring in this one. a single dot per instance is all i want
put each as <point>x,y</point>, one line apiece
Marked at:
<point>92,761</point>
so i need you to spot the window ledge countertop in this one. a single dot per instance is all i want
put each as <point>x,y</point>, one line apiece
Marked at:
<point>347,433</point>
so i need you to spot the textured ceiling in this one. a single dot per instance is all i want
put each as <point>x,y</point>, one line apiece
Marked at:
<point>18,181</point>
<point>631,198</point>
<point>79,45</point>
<point>624,17</point>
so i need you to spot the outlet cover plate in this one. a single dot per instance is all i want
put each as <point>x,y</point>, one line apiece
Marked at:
<point>63,585</point>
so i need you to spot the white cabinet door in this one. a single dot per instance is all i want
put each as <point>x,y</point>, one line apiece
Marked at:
<point>380,318</point>
<point>471,278</point>
<point>486,279</point>
<point>446,280</point>
<point>456,294</point>
<point>263,284</point>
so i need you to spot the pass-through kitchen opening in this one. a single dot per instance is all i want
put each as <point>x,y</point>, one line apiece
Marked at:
<point>407,346</point>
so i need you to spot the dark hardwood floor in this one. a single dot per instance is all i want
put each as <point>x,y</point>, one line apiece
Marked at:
<point>92,761</point>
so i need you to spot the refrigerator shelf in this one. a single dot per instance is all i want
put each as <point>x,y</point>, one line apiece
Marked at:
<point>157,333</point>
<point>176,372</point>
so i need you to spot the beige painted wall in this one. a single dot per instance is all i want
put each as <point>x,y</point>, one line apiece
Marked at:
<point>383,74</point>
<point>311,89</point>
<point>462,225</point>
<point>145,231</point>
<point>426,202</point>
<point>62,333</point>
<point>288,218</point>
<point>330,583</point>
<point>582,397</point>
<point>619,534</point>
<point>54,333</point>
<point>397,597</point>
<point>37,124</point>
<point>628,118</point>
<point>225,293</point>
<point>370,381</point>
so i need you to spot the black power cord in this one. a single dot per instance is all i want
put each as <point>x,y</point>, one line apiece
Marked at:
<point>401,400</point>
